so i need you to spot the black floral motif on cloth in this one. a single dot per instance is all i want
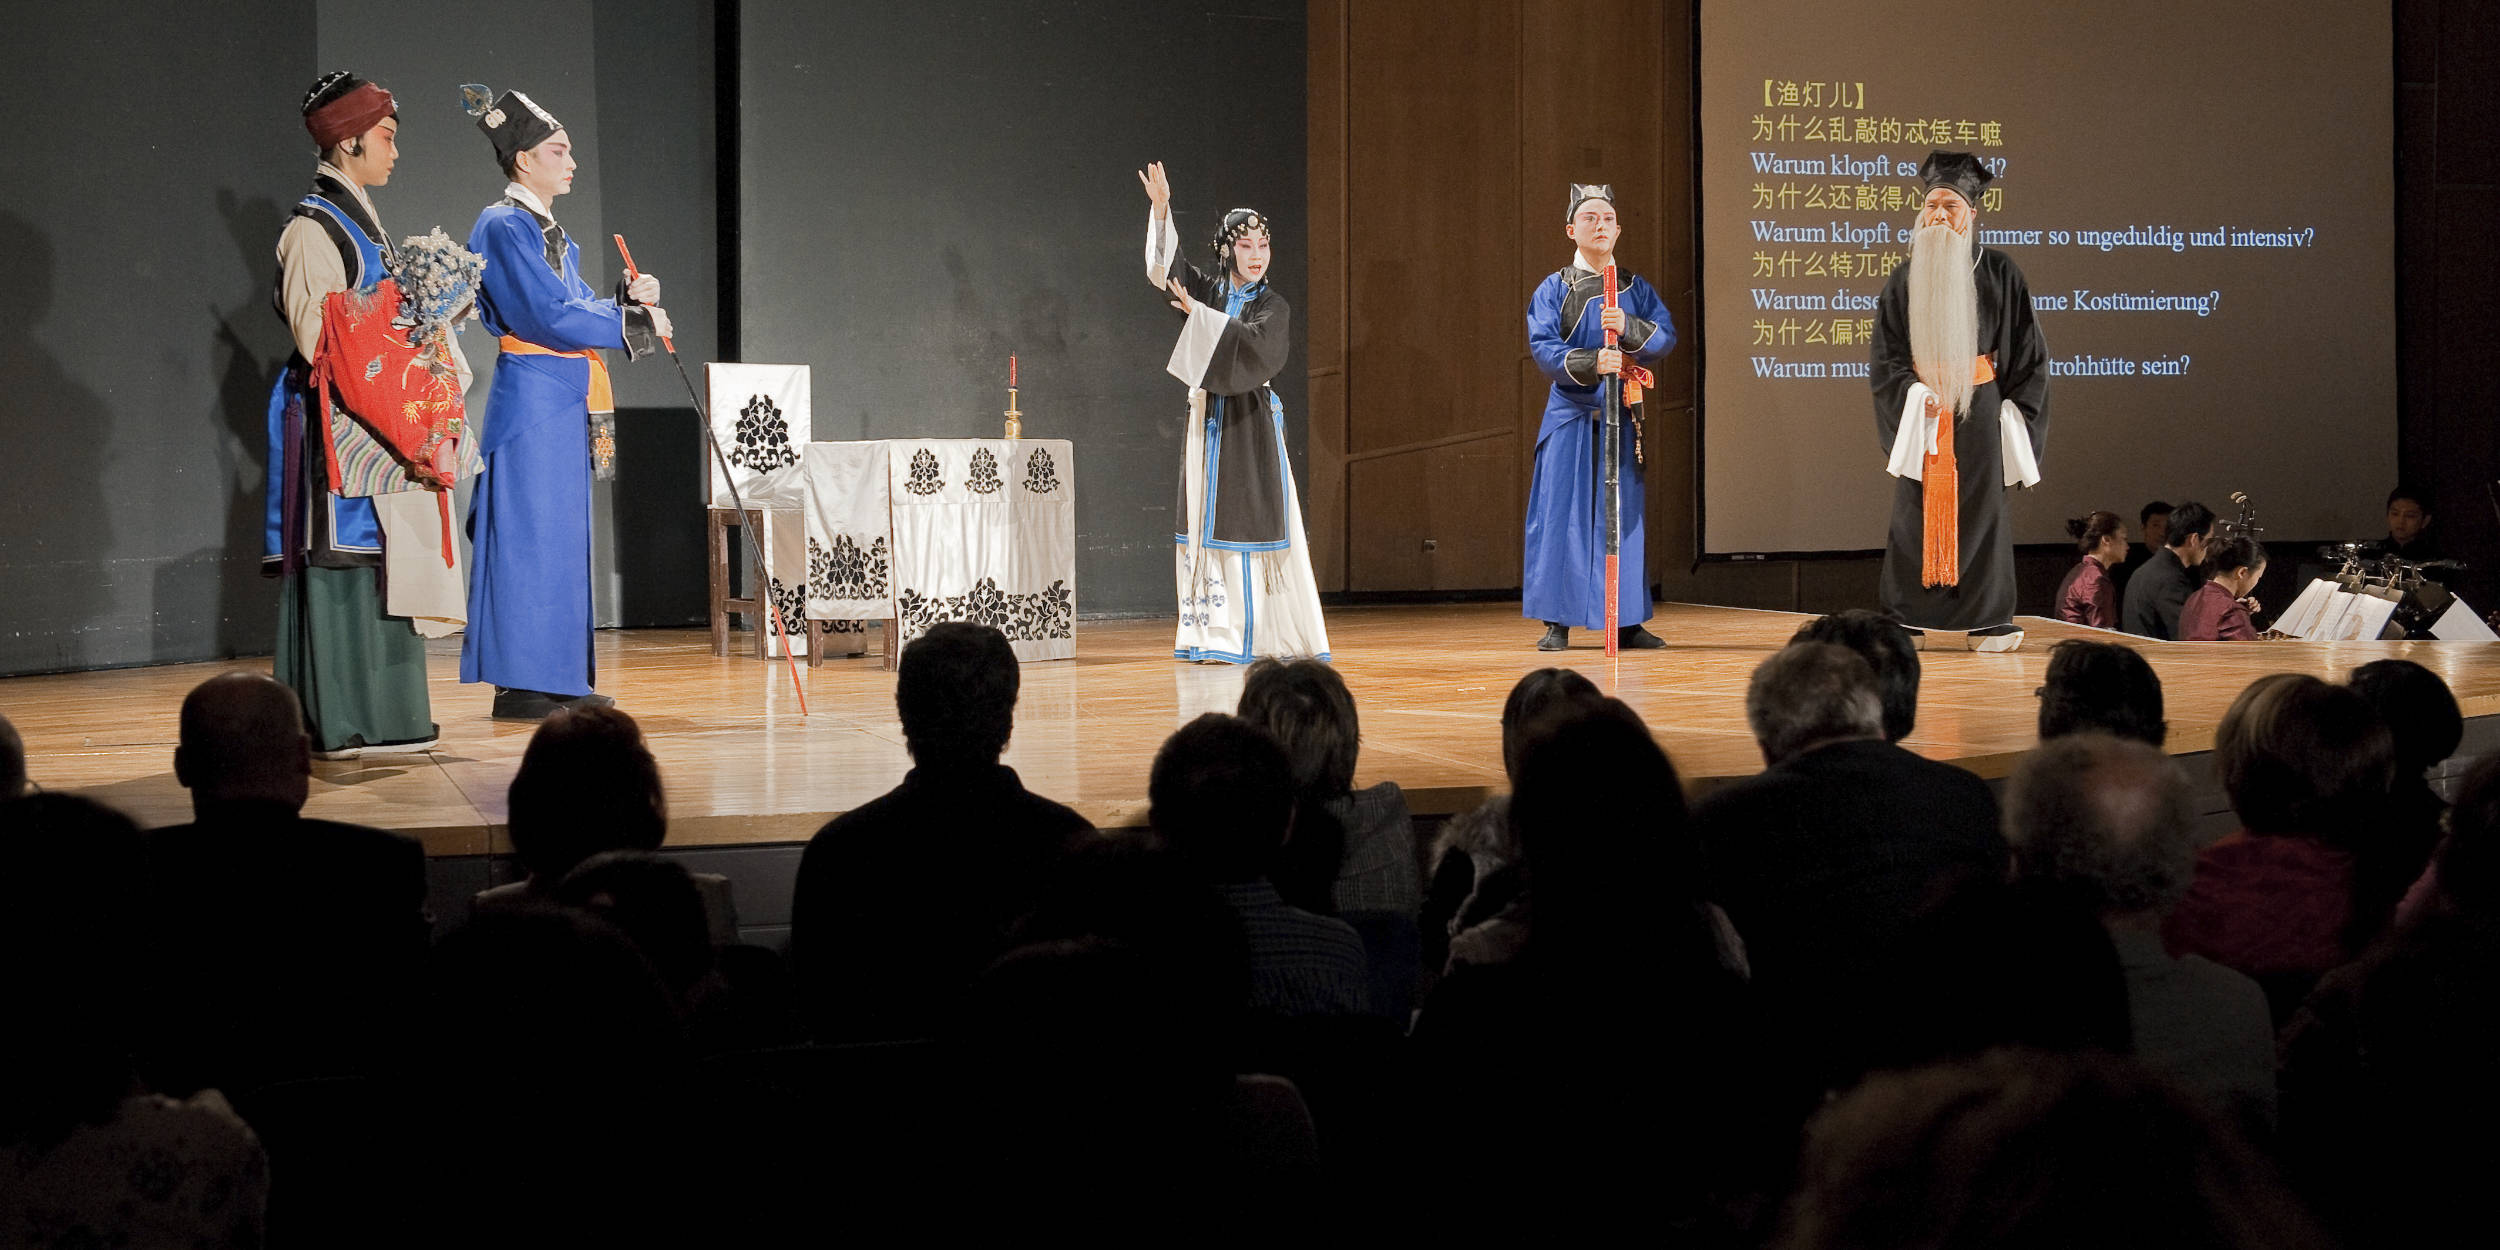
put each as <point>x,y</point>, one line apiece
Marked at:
<point>792,600</point>
<point>1041,475</point>
<point>847,571</point>
<point>924,473</point>
<point>1041,616</point>
<point>984,479</point>
<point>763,437</point>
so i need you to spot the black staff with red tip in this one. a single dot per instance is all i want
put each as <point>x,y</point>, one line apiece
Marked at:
<point>763,575</point>
<point>1610,460</point>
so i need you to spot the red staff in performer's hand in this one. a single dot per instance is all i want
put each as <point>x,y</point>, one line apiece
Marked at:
<point>763,576</point>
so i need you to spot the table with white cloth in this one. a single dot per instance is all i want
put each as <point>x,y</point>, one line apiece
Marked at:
<point>922,530</point>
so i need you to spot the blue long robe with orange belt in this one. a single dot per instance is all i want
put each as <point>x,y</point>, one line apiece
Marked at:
<point>529,526</point>
<point>1564,578</point>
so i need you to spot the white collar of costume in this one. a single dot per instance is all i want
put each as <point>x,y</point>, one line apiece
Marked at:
<point>529,199</point>
<point>1581,259</point>
<point>335,174</point>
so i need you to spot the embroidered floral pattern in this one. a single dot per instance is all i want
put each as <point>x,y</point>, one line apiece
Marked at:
<point>924,473</point>
<point>848,571</point>
<point>763,442</point>
<point>1041,475</point>
<point>984,479</point>
<point>1205,607</point>
<point>1043,615</point>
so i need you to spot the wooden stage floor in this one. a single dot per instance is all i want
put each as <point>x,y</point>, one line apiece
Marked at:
<point>742,766</point>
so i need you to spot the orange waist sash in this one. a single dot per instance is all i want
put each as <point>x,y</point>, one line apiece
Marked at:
<point>1940,555</point>
<point>602,395</point>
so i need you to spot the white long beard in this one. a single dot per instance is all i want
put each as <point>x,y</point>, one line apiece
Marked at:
<point>1944,314</point>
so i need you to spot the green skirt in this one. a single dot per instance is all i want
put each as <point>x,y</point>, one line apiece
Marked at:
<point>360,674</point>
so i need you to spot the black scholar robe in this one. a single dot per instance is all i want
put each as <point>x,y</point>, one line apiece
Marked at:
<point>2011,336</point>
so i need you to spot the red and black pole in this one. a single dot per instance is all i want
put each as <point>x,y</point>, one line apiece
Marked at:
<point>763,574</point>
<point>1612,461</point>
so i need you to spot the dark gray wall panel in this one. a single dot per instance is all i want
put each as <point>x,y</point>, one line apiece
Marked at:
<point>927,188</point>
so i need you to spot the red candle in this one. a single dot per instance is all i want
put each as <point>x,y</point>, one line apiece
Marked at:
<point>1011,372</point>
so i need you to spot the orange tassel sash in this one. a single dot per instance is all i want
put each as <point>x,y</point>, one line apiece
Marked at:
<point>1940,557</point>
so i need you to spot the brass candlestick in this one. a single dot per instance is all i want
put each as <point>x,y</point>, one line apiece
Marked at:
<point>1015,419</point>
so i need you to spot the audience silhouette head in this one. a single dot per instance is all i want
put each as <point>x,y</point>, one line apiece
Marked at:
<point>1305,706</point>
<point>2422,717</point>
<point>2299,755</point>
<point>2021,1148</point>
<point>1536,694</point>
<point>586,784</point>
<point>1884,643</point>
<point>2108,820</point>
<point>2100,686</point>
<point>956,694</point>
<point>1221,792</point>
<point>12,761</point>
<point>243,741</point>
<point>1811,694</point>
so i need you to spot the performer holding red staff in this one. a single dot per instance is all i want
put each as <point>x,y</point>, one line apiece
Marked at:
<point>548,416</point>
<point>1569,322</point>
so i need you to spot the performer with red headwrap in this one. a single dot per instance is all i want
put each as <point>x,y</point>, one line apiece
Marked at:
<point>355,660</point>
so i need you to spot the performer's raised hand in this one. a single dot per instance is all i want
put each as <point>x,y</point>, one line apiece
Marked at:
<point>1180,295</point>
<point>1612,320</point>
<point>645,289</point>
<point>1158,188</point>
<point>659,321</point>
<point>1609,360</point>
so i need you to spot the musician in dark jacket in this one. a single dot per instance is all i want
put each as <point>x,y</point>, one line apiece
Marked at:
<point>2157,591</point>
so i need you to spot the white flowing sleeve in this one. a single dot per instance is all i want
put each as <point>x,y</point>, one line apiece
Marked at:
<point>1162,244</point>
<point>1196,347</point>
<point>2021,467</point>
<point>1916,439</point>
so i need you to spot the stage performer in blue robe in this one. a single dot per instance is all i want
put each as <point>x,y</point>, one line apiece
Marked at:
<point>529,592</point>
<point>1960,376</point>
<point>1242,564</point>
<point>1564,578</point>
<point>356,663</point>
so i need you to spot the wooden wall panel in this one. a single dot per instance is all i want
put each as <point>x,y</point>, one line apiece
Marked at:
<point>1429,152</point>
<point>1323,307</point>
<point>1461,128</point>
<point>1431,188</point>
<point>1438,525</point>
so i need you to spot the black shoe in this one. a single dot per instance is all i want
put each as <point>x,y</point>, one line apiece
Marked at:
<point>525,704</point>
<point>593,699</point>
<point>1635,638</point>
<point>1557,638</point>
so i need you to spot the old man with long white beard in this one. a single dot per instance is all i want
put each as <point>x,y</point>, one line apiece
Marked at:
<point>1961,382</point>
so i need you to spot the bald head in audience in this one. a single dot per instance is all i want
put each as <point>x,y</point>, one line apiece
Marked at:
<point>12,761</point>
<point>243,741</point>
<point>2109,818</point>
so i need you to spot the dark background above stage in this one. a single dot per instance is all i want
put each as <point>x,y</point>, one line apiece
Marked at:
<point>927,188</point>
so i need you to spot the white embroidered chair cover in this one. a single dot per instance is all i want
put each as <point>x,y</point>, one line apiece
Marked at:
<point>760,417</point>
<point>930,530</point>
